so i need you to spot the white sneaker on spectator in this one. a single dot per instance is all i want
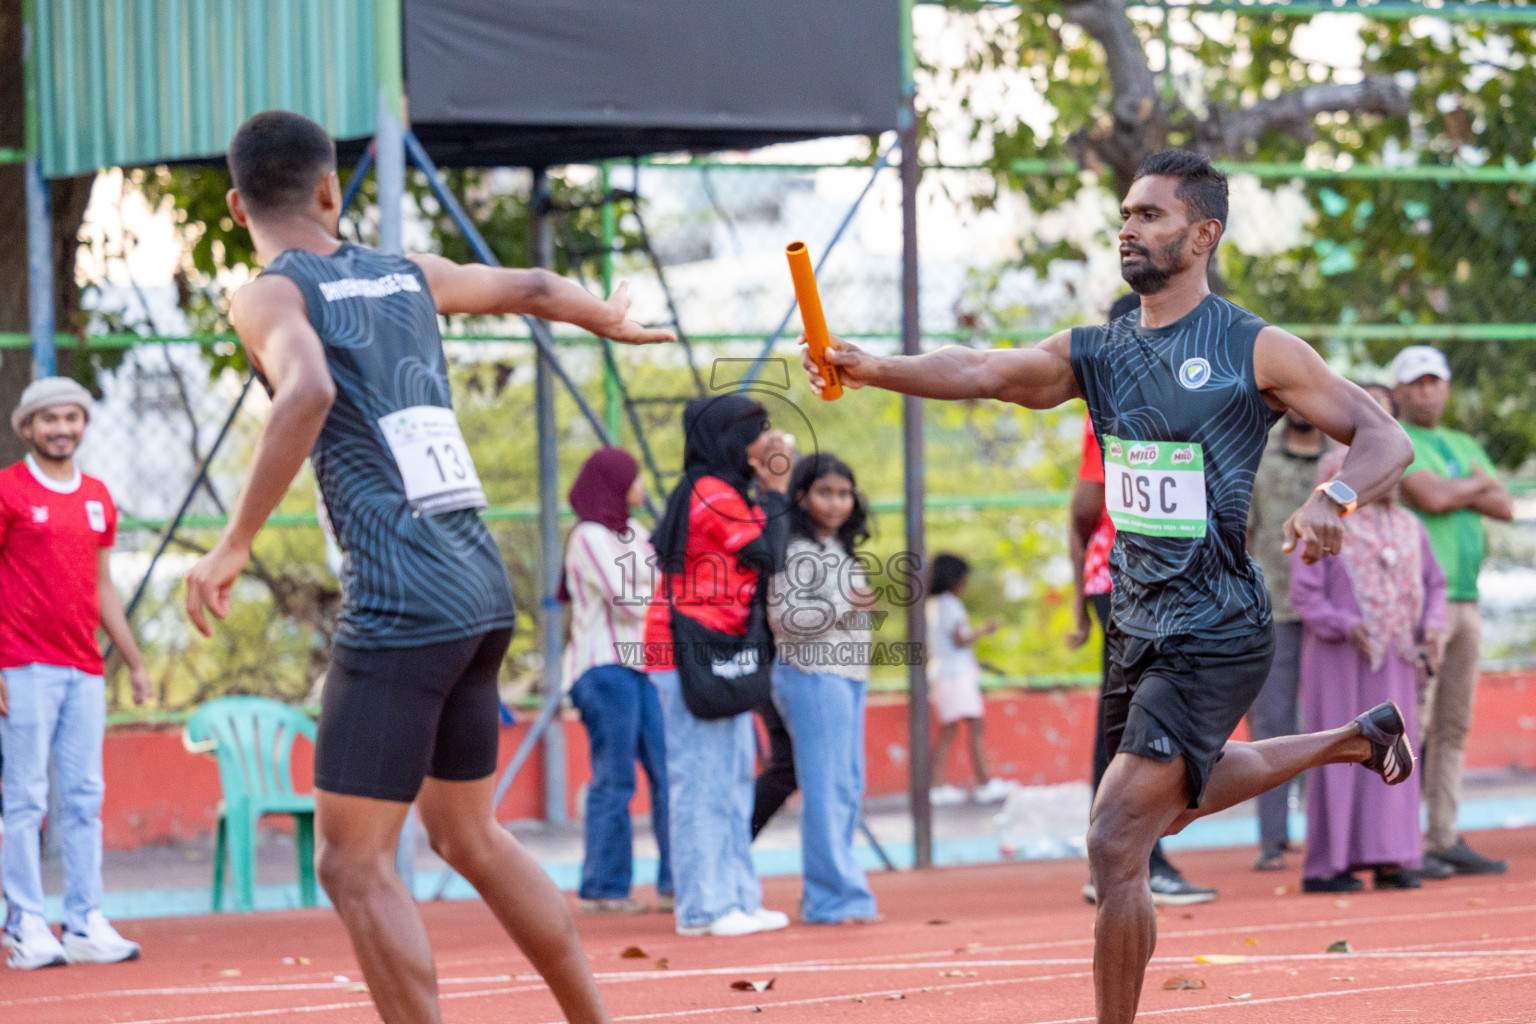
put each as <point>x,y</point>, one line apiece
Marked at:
<point>734,923</point>
<point>770,920</point>
<point>946,796</point>
<point>99,943</point>
<point>995,790</point>
<point>32,944</point>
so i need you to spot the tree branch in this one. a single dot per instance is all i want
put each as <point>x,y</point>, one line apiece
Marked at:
<point>1229,131</point>
<point>1135,126</point>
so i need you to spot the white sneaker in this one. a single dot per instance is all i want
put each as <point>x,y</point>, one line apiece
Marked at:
<point>734,923</point>
<point>32,944</point>
<point>946,796</point>
<point>770,920</point>
<point>99,943</point>
<point>995,790</point>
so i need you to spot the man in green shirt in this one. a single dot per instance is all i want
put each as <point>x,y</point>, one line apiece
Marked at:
<point>1451,485</point>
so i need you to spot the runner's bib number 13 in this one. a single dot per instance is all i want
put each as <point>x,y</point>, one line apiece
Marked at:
<point>1155,488</point>
<point>433,460</point>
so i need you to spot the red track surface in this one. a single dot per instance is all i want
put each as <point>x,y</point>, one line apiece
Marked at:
<point>1005,943</point>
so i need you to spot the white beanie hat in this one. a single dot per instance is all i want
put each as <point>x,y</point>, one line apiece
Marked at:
<point>46,391</point>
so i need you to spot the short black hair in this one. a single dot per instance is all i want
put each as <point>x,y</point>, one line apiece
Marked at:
<point>275,159</point>
<point>1202,188</point>
<point>948,572</point>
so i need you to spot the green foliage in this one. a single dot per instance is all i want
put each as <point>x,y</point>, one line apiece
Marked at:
<point>1379,252</point>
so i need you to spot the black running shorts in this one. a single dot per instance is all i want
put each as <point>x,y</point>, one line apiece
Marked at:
<point>1181,695</point>
<point>390,717</point>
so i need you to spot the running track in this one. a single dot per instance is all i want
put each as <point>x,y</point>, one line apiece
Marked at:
<point>1000,943</point>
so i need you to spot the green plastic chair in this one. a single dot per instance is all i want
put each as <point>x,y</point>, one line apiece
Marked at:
<point>253,740</point>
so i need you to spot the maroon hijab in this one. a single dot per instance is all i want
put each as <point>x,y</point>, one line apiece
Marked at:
<point>599,493</point>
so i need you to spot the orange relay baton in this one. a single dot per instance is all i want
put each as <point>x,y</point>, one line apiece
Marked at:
<point>812,317</point>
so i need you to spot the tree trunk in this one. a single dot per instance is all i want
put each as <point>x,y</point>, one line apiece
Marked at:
<point>69,196</point>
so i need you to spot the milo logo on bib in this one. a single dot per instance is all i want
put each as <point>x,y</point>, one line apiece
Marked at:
<point>1156,488</point>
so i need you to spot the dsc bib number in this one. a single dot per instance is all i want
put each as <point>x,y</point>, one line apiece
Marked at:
<point>1155,488</point>
<point>433,460</point>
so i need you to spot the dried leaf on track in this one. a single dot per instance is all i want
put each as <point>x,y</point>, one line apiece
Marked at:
<point>897,995</point>
<point>752,986</point>
<point>1477,901</point>
<point>1341,946</point>
<point>1343,977</point>
<point>1341,904</point>
<point>230,972</point>
<point>663,964</point>
<point>1285,890</point>
<point>1244,995</point>
<point>938,920</point>
<point>632,953</point>
<point>1250,942</point>
<point>1219,958</point>
<point>1176,982</point>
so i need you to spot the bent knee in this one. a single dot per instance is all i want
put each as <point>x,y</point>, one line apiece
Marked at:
<point>345,875</point>
<point>463,844</point>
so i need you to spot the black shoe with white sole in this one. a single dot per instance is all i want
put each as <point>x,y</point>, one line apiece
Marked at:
<point>1391,757</point>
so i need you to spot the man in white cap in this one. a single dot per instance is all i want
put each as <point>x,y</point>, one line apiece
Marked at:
<point>57,527</point>
<point>1451,485</point>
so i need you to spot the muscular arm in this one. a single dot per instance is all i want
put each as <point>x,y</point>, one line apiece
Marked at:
<point>269,315</point>
<point>491,291</point>
<point>1430,492</point>
<point>1293,376</point>
<point>1037,378</point>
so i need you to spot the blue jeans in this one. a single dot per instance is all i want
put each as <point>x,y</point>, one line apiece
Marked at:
<point>825,716</point>
<point>60,712</point>
<point>623,719</point>
<point>710,782</point>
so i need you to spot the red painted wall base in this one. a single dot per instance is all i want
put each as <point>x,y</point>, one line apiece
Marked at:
<point>157,792</point>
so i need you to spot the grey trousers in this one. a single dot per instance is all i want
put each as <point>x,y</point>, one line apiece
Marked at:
<point>1274,713</point>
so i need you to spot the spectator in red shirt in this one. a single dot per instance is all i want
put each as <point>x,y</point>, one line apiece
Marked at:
<point>57,527</point>
<point>727,545</point>
<point>1090,538</point>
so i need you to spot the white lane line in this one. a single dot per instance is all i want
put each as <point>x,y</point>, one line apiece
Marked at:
<point>1231,1004</point>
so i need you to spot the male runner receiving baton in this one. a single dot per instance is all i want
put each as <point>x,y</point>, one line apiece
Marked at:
<point>1182,396</point>
<point>346,340</point>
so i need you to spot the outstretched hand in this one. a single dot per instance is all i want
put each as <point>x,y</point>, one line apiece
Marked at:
<point>624,330</point>
<point>855,367</point>
<point>1317,528</point>
<point>210,582</point>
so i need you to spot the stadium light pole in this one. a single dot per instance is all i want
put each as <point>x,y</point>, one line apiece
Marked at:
<point>39,210</point>
<point>913,485</point>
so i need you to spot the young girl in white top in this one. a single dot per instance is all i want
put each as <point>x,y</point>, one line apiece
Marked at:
<point>818,609</point>
<point>955,678</point>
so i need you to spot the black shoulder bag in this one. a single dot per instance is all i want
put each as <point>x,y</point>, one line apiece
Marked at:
<point>721,674</point>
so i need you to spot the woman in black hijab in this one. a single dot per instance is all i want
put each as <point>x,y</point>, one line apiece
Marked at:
<point>716,544</point>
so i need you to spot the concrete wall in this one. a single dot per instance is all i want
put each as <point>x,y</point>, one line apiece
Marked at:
<point>157,792</point>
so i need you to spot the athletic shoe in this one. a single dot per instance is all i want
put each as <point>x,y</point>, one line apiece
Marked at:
<point>627,905</point>
<point>667,903</point>
<point>769,920</point>
<point>1090,895</point>
<point>1341,882</point>
<point>1391,757</point>
<point>1171,890</point>
<point>98,944</point>
<point>995,790</point>
<point>1466,861</point>
<point>946,796</point>
<point>1435,869</point>
<point>1270,861</point>
<point>734,923</point>
<point>32,944</point>
<point>1397,878</point>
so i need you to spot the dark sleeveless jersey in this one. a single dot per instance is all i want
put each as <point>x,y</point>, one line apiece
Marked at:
<point>1182,425</point>
<point>409,577</point>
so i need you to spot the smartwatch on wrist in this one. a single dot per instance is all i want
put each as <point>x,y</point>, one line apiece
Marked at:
<point>1340,495</point>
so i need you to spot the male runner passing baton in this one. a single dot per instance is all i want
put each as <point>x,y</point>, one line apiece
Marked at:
<point>1182,396</point>
<point>346,340</point>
